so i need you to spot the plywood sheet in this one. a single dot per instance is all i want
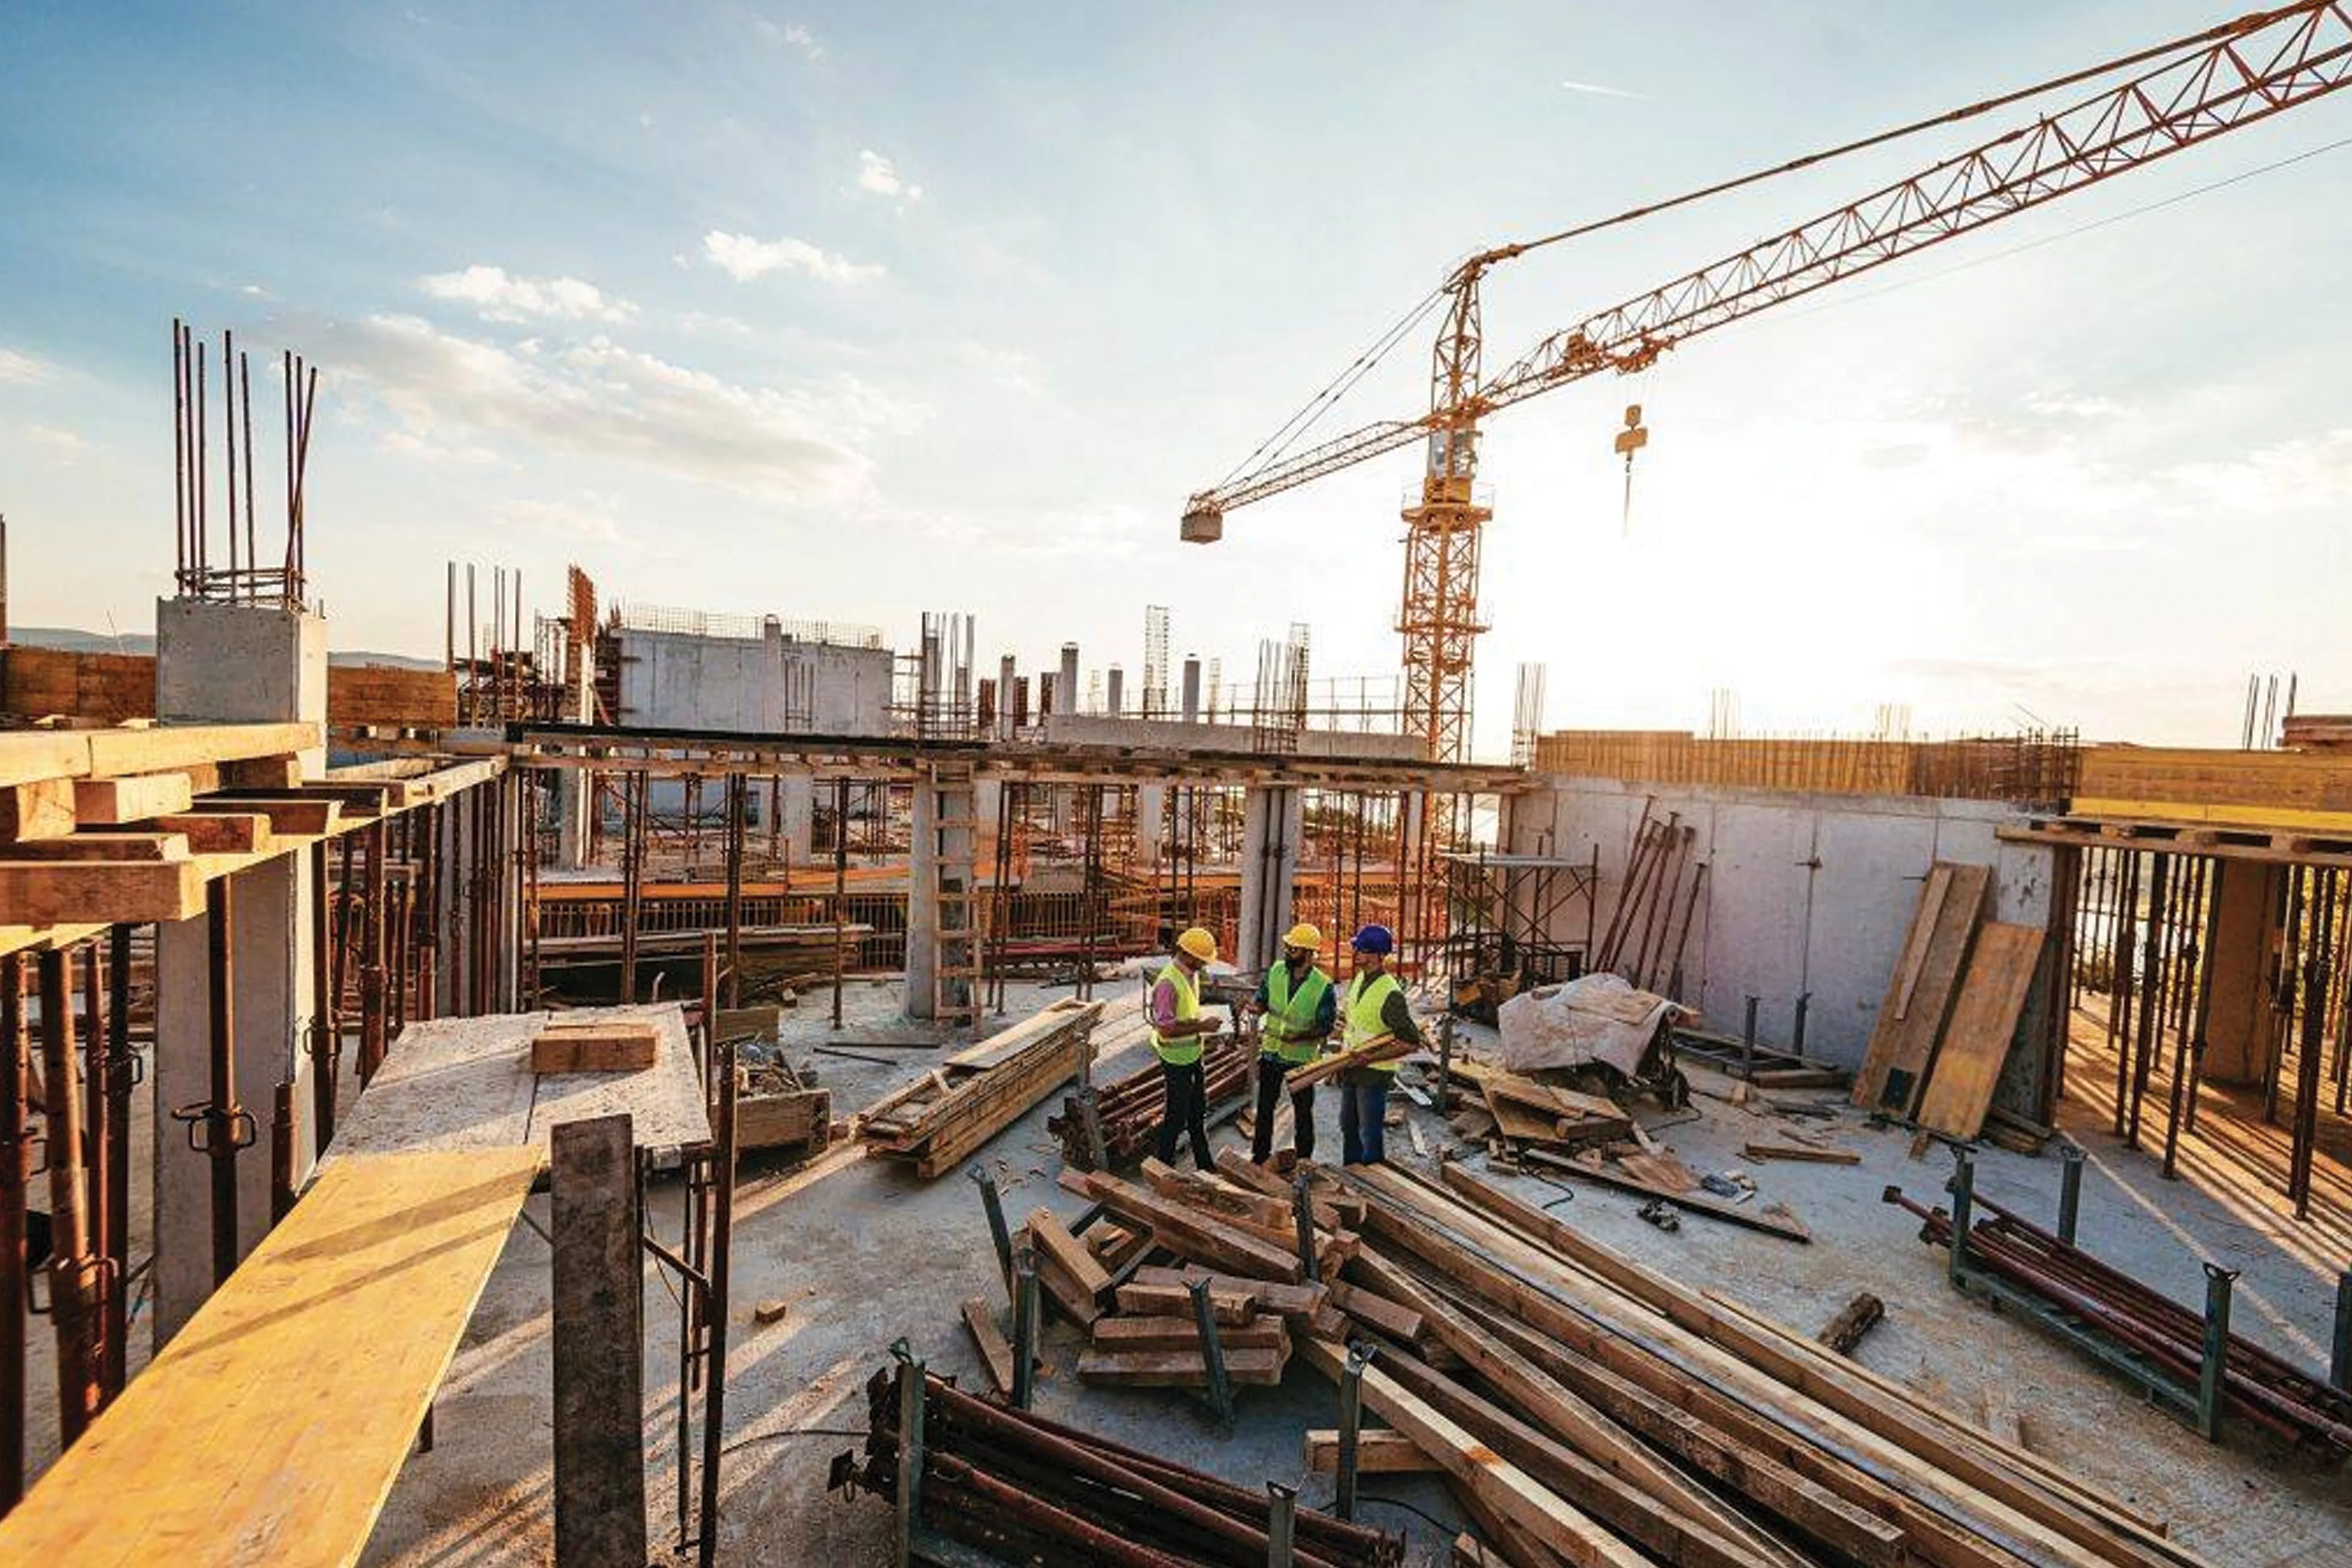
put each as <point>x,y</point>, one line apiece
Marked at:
<point>1919,993</point>
<point>1984,1022</point>
<point>466,1083</point>
<point>271,1428</point>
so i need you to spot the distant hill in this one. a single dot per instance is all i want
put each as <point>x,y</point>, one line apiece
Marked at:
<point>68,640</point>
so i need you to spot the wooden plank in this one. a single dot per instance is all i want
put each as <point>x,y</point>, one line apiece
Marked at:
<point>1500,1484</point>
<point>1378,1452</point>
<point>1226,1306</point>
<point>1196,1236</point>
<point>218,832</point>
<point>290,817</point>
<point>133,799</point>
<point>597,1304</point>
<point>1804,1152</point>
<point>1071,1299</point>
<point>273,1425</point>
<point>1378,1313</point>
<point>1176,1369</point>
<point>1983,1026</point>
<point>1894,1067</point>
<point>100,893</point>
<point>995,1350</point>
<point>28,756</point>
<point>1775,1220</point>
<point>1050,1235</point>
<point>1295,1304</point>
<point>42,808</point>
<point>1183,1333</point>
<point>100,846</point>
<point>170,748</point>
<point>618,1046</point>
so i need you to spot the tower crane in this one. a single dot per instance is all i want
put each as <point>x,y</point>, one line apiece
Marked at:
<point>2191,90</point>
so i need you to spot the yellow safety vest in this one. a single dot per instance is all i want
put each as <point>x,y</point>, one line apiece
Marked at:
<point>1185,1049</point>
<point>1363,1013</point>
<point>1291,1014</point>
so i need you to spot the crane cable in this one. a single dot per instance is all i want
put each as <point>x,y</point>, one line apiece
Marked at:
<point>1294,428</point>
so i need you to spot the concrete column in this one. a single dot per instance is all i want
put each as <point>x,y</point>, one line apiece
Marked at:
<point>575,788</point>
<point>987,801</point>
<point>795,806</point>
<point>449,919</point>
<point>1114,691</point>
<point>232,664</point>
<point>2238,1035</point>
<point>1066,684</point>
<point>1273,819</point>
<point>1192,689</point>
<point>941,860</point>
<point>1151,822</point>
<point>1006,675</point>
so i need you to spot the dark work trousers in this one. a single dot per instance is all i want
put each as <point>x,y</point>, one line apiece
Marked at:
<point>1271,1071</point>
<point>1184,1104</point>
<point>1363,1115</point>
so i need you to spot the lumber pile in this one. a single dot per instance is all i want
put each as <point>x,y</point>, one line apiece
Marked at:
<point>1128,1108</point>
<point>1527,1112</point>
<point>1022,1488</point>
<point>1952,1009</point>
<point>1599,1413</point>
<point>777,1106</point>
<point>934,1122</point>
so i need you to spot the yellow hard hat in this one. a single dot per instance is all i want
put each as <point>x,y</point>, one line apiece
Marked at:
<point>1200,945</point>
<point>1303,935</point>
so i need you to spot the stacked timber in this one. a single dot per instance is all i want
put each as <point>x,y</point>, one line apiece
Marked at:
<point>1616,1416</point>
<point>1128,1108</point>
<point>1521,1112</point>
<point>1022,1488</point>
<point>940,1118</point>
<point>1128,1282</point>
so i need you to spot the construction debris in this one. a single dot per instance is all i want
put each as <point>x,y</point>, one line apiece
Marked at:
<point>1855,1318</point>
<point>1127,1108</point>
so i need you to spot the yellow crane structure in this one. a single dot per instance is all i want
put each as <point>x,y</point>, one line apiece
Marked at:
<point>2183,92</point>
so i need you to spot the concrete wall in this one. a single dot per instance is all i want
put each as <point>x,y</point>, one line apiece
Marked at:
<point>1168,734</point>
<point>670,679</point>
<point>1804,892</point>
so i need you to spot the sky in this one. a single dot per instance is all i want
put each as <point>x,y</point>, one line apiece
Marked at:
<point>847,313</point>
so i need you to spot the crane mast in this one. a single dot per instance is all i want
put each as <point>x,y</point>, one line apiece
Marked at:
<point>2232,75</point>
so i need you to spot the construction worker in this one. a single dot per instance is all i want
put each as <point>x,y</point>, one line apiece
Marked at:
<point>1178,1027</point>
<point>1374,1005</point>
<point>1300,1006</point>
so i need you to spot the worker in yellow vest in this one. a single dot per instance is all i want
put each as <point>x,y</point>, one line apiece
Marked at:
<point>1374,1005</point>
<point>1300,1007</point>
<point>1178,1028</point>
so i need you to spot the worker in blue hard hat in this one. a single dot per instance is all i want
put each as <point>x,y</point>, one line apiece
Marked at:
<point>1300,1006</point>
<point>1374,1005</point>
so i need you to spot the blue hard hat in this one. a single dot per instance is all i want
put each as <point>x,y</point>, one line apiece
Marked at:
<point>1374,939</point>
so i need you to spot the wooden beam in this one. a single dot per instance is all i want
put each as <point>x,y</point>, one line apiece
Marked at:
<point>1052,1237</point>
<point>131,799</point>
<point>218,832</point>
<point>1378,1452</point>
<point>100,846</point>
<point>298,817</point>
<point>1180,1333</point>
<point>995,1350</point>
<point>43,808</point>
<point>101,893</point>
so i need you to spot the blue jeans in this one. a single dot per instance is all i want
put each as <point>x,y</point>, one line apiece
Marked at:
<point>1363,1115</point>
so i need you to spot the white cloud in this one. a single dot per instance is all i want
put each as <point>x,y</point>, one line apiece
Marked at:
<point>22,370</point>
<point>591,517</point>
<point>497,295</point>
<point>56,442</point>
<point>793,35</point>
<point>1595,89</point>
<point>452,393</point>
<point>880,175</point>
<point>2296,474</point>
<point>743,257</point>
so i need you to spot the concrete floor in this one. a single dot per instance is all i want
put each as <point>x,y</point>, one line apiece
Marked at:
<point>869,1255</point>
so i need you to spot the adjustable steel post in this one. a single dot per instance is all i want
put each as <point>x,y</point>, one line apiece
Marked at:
<point>1212,1355</point>
<point>1351,1425</point>
<point>1302,1213</point>
<point>997,1233</point>
<point>910,1451</point>
<point>2070,1190</point>
<point>1025,1327</point>
<point>1281,1519</point>
<point>1963,1189</point>
<point>1747,1041</point>
<point>2218,1283</point>
<point>1797,1030</point>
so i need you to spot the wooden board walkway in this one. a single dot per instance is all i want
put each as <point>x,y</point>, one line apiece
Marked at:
<point>271,1428</point>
